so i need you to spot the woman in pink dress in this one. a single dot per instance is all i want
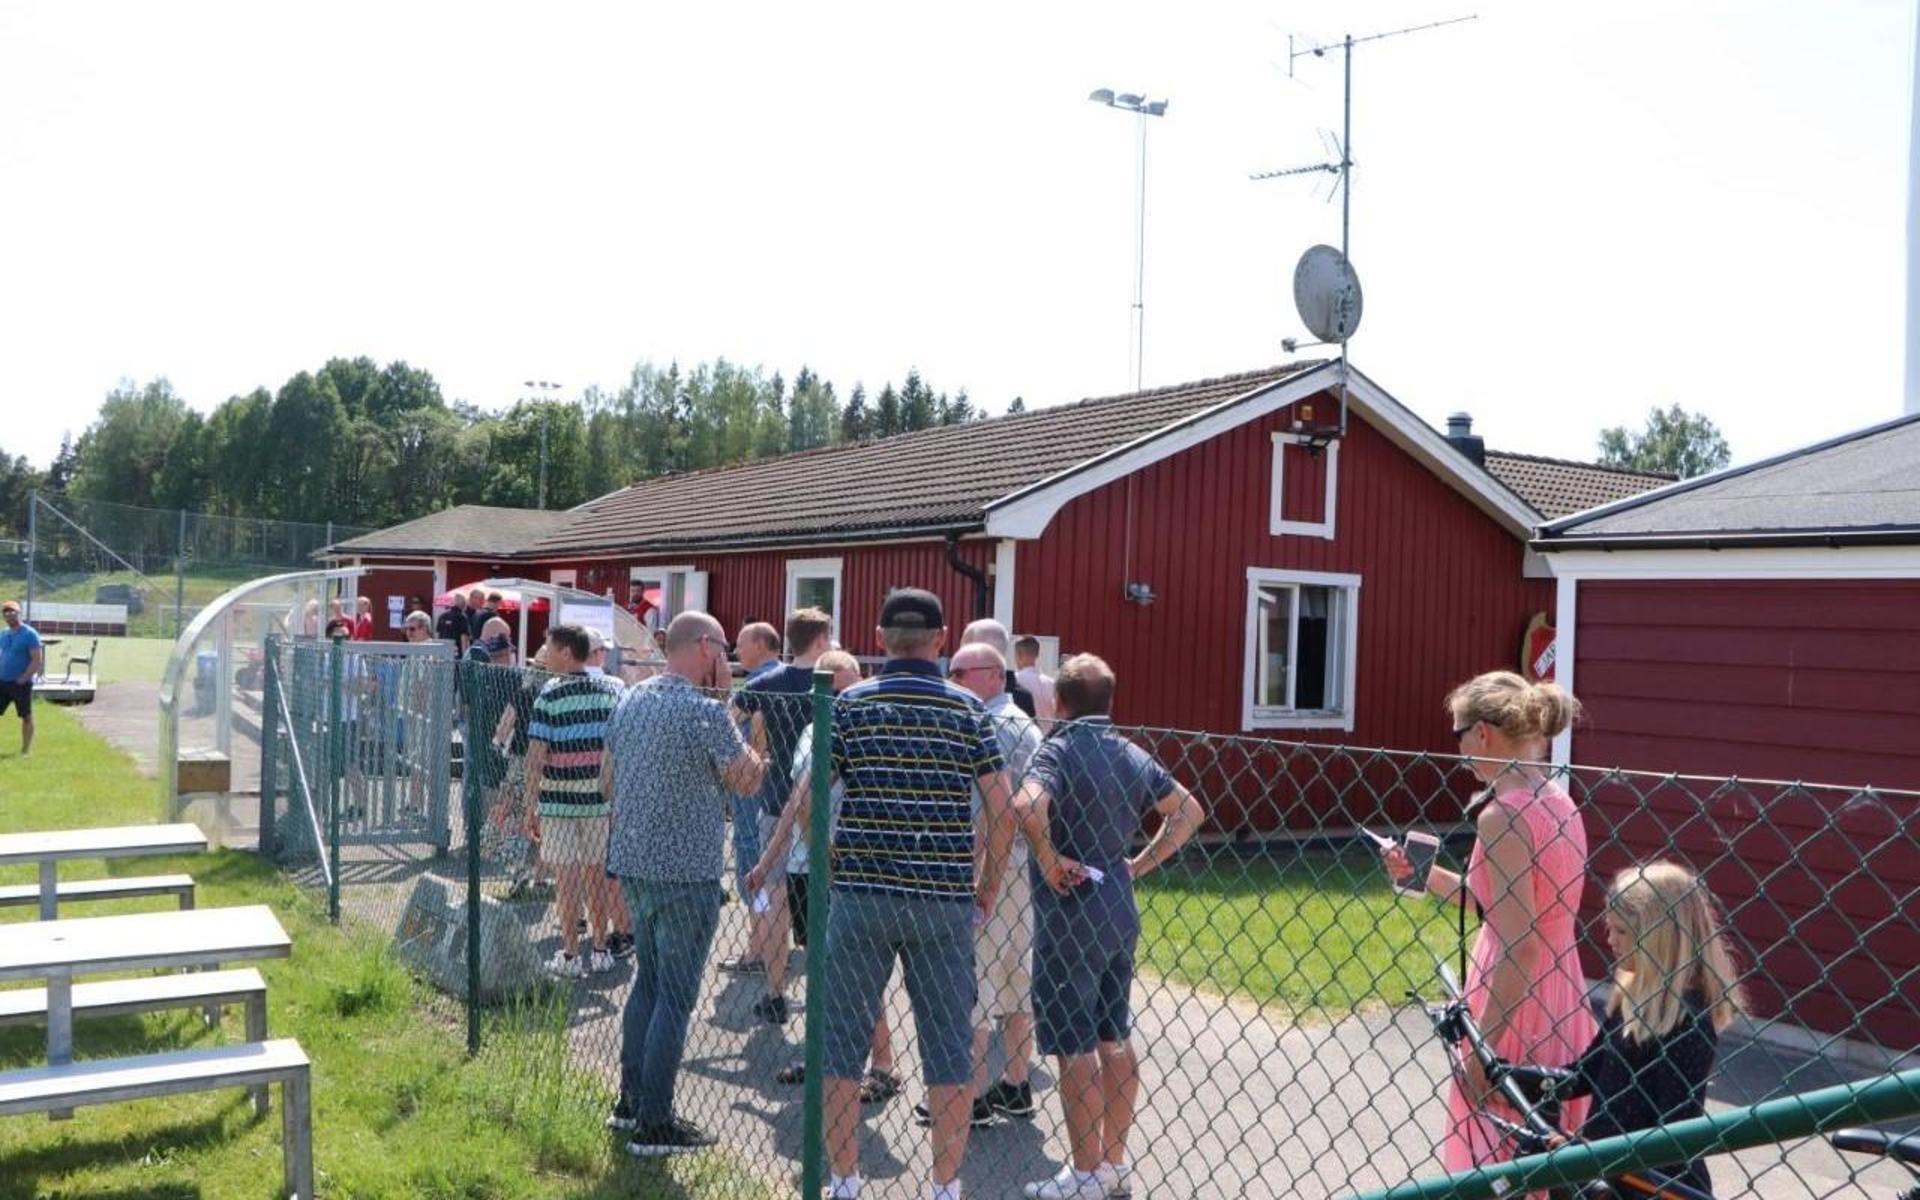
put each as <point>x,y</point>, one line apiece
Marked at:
<point>1524,985</point>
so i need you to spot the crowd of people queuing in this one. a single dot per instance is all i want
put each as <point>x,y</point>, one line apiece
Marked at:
<point>988,824</point>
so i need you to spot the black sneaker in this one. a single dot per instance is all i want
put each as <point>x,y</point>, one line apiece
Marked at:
<point>1011,1099</point>
<point>673,1137</point>
<point>620,945</point>
<point>622,1117</point>
<point>743,965</point>
<point>982,1115</point>
<point>771,1009</point>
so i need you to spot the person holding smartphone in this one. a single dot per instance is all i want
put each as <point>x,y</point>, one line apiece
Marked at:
<point>1524,985</point>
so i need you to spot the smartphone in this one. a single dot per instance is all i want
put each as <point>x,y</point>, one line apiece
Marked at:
<point>1422,850</point>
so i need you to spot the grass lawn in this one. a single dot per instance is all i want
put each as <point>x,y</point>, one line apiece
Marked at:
<point>398,1110</point>
<point>156,619</point>
<point>118,660</point>
<point>1306,930</point>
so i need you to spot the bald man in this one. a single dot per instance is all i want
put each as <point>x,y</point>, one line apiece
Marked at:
<point>988,632</point>
<point>676,759</point>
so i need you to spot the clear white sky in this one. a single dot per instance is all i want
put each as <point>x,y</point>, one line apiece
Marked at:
<point>1563,213</point>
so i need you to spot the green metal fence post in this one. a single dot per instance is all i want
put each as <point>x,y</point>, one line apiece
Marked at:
<point>473,744</point>
<point>1887,1097</point>
<point>336,773</point>
<point>813,1123</point>
<point>180,578</point>
<point>270,734</point>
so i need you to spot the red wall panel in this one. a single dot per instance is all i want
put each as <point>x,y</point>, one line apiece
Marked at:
<point>1815,680</point>
<point>1442,593</point>
<point>752,586</point>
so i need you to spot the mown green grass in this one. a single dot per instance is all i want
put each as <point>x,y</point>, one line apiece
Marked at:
<point>399,1110</point>
<point>1311,931</point>
<point>156,619</point>
<point>116,660</point>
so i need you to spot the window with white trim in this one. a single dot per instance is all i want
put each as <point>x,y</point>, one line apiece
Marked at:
<point>1301,637</point>
<point>815,583</point>
<point>1306,480</point>
<point>662,593</point>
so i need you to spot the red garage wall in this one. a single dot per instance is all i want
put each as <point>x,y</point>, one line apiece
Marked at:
<point>394,578</point>
<point>1815,680</point>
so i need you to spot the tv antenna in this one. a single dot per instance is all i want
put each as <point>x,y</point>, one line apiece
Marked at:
<point>1340,166</point>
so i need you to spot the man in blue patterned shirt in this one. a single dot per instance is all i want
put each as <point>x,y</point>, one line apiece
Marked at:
<point>910,746</point>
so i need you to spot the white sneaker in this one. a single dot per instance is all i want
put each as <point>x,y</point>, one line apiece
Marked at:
<point>1069,1184</point>
<point>566,966</point>
<point>1118,1178</point>
<point>600,963</point>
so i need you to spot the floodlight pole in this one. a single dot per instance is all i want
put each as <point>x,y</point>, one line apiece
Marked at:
<point>33,547</point>
<point>543,391</point>
<point>1142,108</point>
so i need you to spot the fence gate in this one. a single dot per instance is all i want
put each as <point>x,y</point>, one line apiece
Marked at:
<point>371,726</point>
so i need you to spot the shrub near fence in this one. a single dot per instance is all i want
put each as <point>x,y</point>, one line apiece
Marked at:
<point>1279,1051</point>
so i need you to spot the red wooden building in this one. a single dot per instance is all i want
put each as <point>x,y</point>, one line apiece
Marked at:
<point>1240,577</point>
<point>1764,622</point>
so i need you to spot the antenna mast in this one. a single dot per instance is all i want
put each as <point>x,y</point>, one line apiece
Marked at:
<point>1342,167</point>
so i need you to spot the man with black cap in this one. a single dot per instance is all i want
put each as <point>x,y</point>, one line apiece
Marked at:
<point>910,746</point>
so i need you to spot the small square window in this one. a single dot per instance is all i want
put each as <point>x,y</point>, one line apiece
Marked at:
<point>1300,650</point>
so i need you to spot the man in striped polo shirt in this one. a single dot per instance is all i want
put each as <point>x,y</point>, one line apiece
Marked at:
<point>912,874</point>
<point>566,741</point>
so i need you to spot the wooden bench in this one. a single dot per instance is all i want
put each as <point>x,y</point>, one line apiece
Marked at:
<point>111,1080</point>
<point>180,886</point>
<point>154,993</point>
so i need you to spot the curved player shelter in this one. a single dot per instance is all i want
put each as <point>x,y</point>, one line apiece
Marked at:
<point>214,683</point>
<point>212,687</point>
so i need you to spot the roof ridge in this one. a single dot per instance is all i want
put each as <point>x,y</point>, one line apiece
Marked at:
<point>1583,463</point>
<point>1297,366</point>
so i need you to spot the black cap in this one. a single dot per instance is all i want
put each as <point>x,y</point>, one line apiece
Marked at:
<point>912,608</point>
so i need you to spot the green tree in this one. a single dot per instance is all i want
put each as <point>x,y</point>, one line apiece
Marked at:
<point>306,430</point>
<point>123,451</point>
<point>957,411</point>
<point>237,463</point>
<point>918,408</point>
<point>1674,440</point>
<point>886,413</point>
<point>856,422</point>
<point>18,481</point>
<point>1017,405</point>
<point>185,478</point>
<point>65,463</point>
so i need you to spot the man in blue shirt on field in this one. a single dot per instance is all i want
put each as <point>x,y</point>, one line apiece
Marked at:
<point>20,660</point>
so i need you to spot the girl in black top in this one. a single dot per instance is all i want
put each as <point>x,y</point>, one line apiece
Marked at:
<point>1674,990</point>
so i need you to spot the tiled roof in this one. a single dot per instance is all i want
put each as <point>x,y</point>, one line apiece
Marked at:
<point>932,480</point>
<point>473,529</point>
<point>1864,485</point>
<point>1558,486</point>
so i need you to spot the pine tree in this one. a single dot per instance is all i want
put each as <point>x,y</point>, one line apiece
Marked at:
<point>65,463</point>
<point>957,411</point>
<point>886,413</point>
<point>1018,405</point>
<point>917,406</point>
<point>856,422</point>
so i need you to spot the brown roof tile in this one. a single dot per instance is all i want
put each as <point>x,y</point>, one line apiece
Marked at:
<point>1558,486</point>
<point>932,480</point>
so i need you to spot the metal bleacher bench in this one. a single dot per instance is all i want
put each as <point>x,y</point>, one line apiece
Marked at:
<point>153,993</point>
<point>248,1065</point>
<point>106,889</point>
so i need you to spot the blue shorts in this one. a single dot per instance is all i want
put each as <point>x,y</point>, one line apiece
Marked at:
<point>1081,994</point>
<point>933,940</point>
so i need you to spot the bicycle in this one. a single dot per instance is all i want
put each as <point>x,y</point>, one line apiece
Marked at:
<point>1532,1093</point>
<point>1903,1149</point>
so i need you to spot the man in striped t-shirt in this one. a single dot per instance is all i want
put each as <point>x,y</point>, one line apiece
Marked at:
<point>566,741</point>
<point>910,746</point>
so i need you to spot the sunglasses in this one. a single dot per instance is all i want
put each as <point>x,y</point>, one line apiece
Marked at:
<point>957,672</point>
<point>1464,730</point>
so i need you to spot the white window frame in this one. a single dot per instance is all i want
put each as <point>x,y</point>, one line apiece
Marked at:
<point>1277,522</point>
<point>817,568</point>
<point>664,577</point>
<point>1346,633</point>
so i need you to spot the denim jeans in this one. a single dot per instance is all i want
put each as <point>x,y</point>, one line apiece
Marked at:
<point>673,927</point>
<point>746,841</point>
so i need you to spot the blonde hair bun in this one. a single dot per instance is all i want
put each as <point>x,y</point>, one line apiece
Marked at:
<point>1523,711</point>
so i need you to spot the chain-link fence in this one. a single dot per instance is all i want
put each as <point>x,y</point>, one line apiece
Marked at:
<point>97,567</point>
<point>1252,1013</point>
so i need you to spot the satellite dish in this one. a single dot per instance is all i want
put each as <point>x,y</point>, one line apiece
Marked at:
<point>1326,293</point>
